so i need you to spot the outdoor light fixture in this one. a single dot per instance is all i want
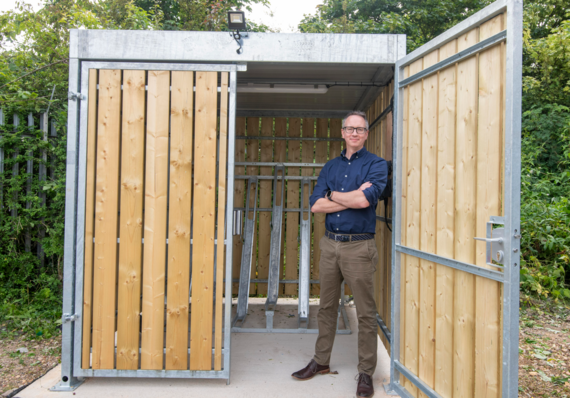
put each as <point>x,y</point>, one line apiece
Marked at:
<point>236,21</point>
<point>282,88</point>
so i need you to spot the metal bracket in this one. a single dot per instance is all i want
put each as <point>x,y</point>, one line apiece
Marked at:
<point>247,252</point>
<point>495,241</point>
<point>305,254</point>
<point>237,36</point>
<point>67,384</point>
<point>76,96</point>
<point>275,248</point>
<point>388,390</point>
<point>69,317</point>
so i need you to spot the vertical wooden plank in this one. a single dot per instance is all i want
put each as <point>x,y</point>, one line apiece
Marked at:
<point>179,215</point>
<point>490,131</point>
<point>280,154</point>
<point>106,217</point>
<point>465,202</point>
<point>445,223</point>
<point>319,218</point>
<point>308,156</point>
<point>239,199</point>
<point>412,300</point>
<point>265,201</point>
<point>404,205</point>
<point>204,221</point>
<point>156,187</point>
<point>253,156</point>
<point>428,192</point>
<point>292,228</point>
<point>89,219</point>
<point>335,132</point>
<point>130,232</point>
<point>220,247</point>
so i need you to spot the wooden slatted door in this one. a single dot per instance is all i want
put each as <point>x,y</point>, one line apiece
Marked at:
<point>155,208</point>
<point>457,168</point>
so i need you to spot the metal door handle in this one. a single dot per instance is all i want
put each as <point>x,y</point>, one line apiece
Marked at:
<point>498,240</point>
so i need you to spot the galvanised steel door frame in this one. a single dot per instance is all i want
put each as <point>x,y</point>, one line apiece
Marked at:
<point>512,152</point>
<point>72,373</point>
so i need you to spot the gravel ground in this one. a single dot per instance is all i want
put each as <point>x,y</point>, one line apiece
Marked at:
<point>544,347</point>
<point>22,361</point>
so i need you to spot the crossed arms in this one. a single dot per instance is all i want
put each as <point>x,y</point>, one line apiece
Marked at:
<point>343,200</point>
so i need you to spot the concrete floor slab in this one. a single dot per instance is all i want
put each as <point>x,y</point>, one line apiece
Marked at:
<point>261,365</point>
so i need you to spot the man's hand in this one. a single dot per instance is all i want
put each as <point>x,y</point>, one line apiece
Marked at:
<point>364,186</point>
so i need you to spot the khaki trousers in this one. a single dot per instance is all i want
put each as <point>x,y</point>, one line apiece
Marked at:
<point>354,262</point>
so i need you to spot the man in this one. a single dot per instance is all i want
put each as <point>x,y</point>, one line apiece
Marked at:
<point>347,190</point>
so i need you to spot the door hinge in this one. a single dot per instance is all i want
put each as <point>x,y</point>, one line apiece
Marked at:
<point>70,318</point>
<point>75,96</point>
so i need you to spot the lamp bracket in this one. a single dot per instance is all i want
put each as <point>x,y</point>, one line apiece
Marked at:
<point>237,35</point>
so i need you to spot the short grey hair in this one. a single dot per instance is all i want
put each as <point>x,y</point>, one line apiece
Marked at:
<point>356,113</point>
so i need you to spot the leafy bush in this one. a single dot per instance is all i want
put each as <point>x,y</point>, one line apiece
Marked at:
<point>30,296</point>
<point>545,205</point>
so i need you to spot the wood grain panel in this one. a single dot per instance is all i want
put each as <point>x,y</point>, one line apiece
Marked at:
<point>292,222</point>
<point>465,203</point>
<point>404,205</point>
<point>253,156</point>
<point>89,220</point>
<point>179,217</point>
<point>412,301</point>
<point>204,221</point>
<point>489,153</point>
<point>130,233</point>
<point>156,187</point>
<point>266,201</point>
<point>239,200</point>
<point>319,218</point>
<point>428,192</point>
<point>220,248</point>
<point>445,276</point>
<point>106,218</point>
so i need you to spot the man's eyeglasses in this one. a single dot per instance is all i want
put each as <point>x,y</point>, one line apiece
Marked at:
<point>359,130</point>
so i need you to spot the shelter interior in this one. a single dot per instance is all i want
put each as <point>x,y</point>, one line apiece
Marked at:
<point>301,128</point>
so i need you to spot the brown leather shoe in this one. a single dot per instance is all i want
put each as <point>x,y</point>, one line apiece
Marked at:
<point>311,370</point>
<point>365,388</point>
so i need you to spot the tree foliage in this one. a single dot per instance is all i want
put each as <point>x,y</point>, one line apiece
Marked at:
<point>420,20</point>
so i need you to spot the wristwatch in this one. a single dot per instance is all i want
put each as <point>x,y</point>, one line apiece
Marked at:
<point>329,195</point>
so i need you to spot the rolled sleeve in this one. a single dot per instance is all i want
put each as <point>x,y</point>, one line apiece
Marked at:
<point>378,177</point>
<point>321,188</point>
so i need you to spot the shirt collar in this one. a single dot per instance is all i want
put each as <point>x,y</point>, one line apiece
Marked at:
<point>359,153</point>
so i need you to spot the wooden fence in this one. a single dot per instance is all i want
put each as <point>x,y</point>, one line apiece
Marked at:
<point>36,166</point>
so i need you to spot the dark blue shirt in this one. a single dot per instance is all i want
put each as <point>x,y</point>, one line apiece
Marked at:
<point>345,175</point>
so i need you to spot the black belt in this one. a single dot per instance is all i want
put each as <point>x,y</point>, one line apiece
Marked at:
<point>348,238</point>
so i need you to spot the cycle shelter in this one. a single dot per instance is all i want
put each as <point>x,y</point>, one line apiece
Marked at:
<point>189,171</point>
